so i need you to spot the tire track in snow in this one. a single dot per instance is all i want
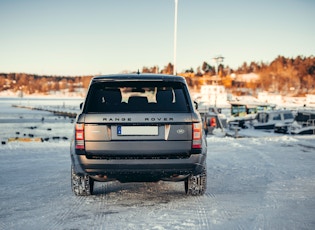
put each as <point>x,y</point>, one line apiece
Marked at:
<point>74,206</point>
<point>117,201</point>
<point>102,212</point>
<point>94,209</point>
<point>217,214</point>
<point>3,226</point>
<point>228,177</point>
<point>261,169</point>
<point>161,205</point>
<point>202,213</point>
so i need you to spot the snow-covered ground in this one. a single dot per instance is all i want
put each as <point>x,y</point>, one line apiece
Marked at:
<point>265,182</point>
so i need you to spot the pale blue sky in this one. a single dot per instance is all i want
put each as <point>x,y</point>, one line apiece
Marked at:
<point>80,37</point>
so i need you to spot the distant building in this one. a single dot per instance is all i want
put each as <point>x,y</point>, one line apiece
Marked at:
<point>246,78</point>
<point>270,98</point>
<point>214,95</point>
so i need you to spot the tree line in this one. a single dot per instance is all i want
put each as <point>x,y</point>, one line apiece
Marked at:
<point>287,76</point>
<point>31,83</point>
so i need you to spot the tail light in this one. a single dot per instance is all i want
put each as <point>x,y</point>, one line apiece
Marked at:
<point>197,135</point>
<point>213,122</point>
<point>79,136</point>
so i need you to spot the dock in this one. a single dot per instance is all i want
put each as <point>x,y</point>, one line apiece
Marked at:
<point>57,110</point>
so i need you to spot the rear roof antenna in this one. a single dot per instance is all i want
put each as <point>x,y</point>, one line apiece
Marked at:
<point>138,71</point>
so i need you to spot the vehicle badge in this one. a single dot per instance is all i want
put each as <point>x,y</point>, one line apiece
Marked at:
<point>180,131</point>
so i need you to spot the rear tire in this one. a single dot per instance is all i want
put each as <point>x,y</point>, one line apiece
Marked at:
<point>196,185</point>
<point>81,185</point>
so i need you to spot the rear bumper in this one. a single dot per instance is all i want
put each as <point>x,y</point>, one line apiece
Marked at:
<point>138,169</point>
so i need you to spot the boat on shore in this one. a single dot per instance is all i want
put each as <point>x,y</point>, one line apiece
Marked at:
<point>244,112</point>
<point>304,123</point>
<point>279,120</point>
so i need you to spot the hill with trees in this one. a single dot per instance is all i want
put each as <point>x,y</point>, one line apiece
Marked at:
<point>286,76</point>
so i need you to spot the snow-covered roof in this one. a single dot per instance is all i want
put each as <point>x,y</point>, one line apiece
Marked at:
<point>249,77</point>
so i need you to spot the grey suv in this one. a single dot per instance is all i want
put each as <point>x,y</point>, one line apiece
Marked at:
<point>138,128</point>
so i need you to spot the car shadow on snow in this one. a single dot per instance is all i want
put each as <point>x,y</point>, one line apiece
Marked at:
<point>143,194</point>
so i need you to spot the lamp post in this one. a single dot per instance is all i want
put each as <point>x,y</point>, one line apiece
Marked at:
<point>175,37</point>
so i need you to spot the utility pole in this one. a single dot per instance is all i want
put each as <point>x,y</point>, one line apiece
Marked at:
<point>175,37</point>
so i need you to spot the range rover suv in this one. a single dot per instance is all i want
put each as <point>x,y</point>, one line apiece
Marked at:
<point>138,128</point>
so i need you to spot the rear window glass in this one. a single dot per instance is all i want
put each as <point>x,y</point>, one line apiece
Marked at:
<point>137,96</point>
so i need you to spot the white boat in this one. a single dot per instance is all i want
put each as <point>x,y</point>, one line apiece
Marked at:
<point>273,118</point>
<point>244,112</point>
<point>304,122</point>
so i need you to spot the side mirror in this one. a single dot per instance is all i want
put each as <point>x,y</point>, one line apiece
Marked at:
<point>81,105</point>
<point>196,104</point>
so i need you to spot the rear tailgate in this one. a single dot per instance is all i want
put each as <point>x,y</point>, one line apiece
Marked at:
<point>138,134</point>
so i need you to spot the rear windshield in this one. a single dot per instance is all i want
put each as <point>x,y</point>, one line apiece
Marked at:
<point>137,96</point>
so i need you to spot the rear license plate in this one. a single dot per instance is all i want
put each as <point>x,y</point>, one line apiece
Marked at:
<point>137,130</point>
